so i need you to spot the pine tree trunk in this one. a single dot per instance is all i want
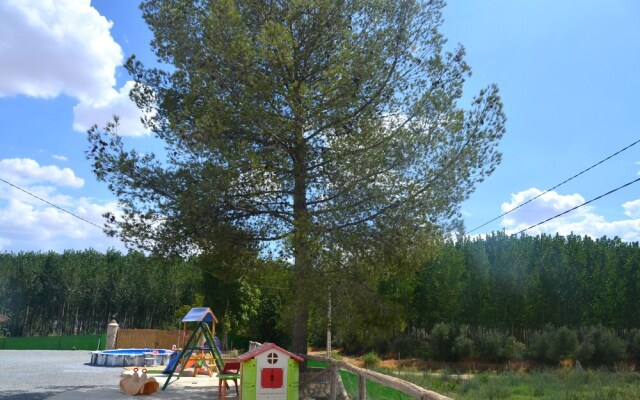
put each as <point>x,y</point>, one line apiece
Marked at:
<point>301,231</point>
<point>299,334</point>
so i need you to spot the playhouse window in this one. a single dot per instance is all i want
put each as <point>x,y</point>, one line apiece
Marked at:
<point>272,358</point>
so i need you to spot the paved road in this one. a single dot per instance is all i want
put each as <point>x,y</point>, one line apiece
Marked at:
<point>66,375</point>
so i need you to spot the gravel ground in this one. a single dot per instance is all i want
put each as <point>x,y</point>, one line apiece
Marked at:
<point>67,375</point>
<point>38,374</point>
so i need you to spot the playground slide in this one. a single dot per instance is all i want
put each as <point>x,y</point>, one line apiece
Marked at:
<point>172,362</point>
<point>174,358</point>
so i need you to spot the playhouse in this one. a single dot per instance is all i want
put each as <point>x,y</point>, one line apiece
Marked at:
<point>269,372</point>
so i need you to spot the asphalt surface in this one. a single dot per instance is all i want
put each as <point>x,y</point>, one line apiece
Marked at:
<point>67,375</point>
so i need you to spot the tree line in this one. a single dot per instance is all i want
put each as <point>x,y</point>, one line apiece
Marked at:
<point>518,286</point>
<point>524,283</point>
<point>81,291</point>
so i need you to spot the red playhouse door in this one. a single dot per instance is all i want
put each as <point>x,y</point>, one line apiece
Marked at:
<point>271,378</point>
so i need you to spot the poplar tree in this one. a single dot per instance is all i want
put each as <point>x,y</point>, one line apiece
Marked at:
<point>292,121</point>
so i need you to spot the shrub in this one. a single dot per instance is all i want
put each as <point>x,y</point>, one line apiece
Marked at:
<point>585,351</point>
<point>463,347</point>
<point>541,343</point>
<point>406,345</point>
<point>496,346</point>
<point>600,346</point>
<point>492,346</point>
<point>441,343</point>
<point>634,344</point>
<point>371,359</point>
<point>565,344</point>
<point>512,349</point>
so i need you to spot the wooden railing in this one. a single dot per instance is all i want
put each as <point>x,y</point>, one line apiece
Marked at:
<point>400,385</point>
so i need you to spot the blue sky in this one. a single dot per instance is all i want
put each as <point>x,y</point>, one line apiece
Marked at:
<point>568,72</point>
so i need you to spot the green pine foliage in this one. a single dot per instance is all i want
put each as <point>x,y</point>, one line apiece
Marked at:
<point>80,291</point>
<point>521,284</point>
<point>316,124</point>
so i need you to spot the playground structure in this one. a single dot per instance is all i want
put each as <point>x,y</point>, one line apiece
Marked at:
<point>195,355</point>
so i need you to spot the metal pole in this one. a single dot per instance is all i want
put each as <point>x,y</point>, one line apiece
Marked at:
<point>329,326</point>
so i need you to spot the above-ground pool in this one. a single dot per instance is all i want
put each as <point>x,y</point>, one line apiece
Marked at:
<point>131,357</point>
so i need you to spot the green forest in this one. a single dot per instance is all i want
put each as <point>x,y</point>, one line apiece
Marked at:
<point>520,287</point>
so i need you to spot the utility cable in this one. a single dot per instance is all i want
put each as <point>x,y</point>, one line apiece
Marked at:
<point>53,205</point>
<point>99,227</point>
<point>556,186</point>
<point>578,206</point>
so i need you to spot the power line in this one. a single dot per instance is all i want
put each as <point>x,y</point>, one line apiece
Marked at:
<point>578,206</point>
<point>556,186</point>
<point>99,227</point>
<point>51,204</point>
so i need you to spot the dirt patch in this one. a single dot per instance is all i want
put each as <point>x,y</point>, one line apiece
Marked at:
<point>418,364</point>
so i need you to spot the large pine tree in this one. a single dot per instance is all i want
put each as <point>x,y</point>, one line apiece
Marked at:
<point>293,120</point>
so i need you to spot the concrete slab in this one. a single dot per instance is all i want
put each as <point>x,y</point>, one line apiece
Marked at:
<point>62,375</point>
<point>196,388</point>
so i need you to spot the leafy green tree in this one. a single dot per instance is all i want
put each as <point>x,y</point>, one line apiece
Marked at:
<point>439,289</point>
<point>290,120</point>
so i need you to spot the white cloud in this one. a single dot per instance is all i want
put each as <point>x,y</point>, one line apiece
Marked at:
<point>59,157</point>
<point>23,171</point>
<point>28,223</point>
<point>25,226</point>
<point>540,209</point>
<point>88,113</point>
<point>583,221</point>
<point>53,47</point>
<point>632,208</point>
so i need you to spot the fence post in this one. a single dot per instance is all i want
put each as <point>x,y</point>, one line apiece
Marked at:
<point>333,395</point>
<point>362,388</point>
<point>112,333</point>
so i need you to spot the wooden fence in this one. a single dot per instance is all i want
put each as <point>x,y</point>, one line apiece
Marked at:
<point>400,385</point>
<point>150,338</point>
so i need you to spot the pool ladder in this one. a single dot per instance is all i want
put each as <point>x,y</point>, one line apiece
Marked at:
<point>149,358</point>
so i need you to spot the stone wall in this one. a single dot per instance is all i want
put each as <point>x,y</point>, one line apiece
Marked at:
<point>315,384</point>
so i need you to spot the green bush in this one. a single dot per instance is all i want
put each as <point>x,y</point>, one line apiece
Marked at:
<point>551,345</point>
<point>512,349</point>
<point>633,344</point>
<point>406,345</point>
<point>585,351</point>
<point>496,346</point>
<point>371,359</point>
<point>492,346</point>
<point>463,347</point>
<point>441,342</point>
<point>565,344</point>
<point>540,347</point>
<point>600,346</point>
